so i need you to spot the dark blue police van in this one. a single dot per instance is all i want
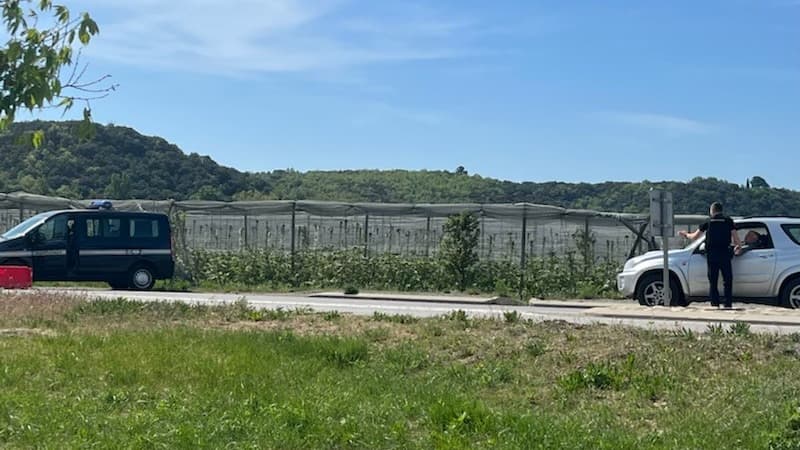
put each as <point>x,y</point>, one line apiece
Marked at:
<point>128,250</point>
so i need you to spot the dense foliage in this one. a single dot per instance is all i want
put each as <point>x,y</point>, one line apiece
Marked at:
<point>117,163</point>
<point>260,269</point>
<point>691,197</point>
<point>459,247</point>
<point>121,163</point>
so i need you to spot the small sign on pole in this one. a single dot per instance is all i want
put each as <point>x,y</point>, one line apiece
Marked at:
<point>662,223</point>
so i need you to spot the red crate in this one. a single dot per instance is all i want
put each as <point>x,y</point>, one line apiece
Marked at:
<point>16,277</point>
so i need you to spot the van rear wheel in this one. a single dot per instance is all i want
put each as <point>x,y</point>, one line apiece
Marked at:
<point>141,278</point>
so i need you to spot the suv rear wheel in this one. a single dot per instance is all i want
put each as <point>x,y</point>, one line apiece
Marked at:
<point>790,295</point>
<point>650,291</point>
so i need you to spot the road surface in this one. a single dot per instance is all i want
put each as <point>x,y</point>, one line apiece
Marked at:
<point>699,322</point>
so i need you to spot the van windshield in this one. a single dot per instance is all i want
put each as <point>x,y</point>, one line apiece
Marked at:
<point>25,226</point>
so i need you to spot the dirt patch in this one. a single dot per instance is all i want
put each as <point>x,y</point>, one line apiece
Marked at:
<point>316,325</point>
<point>25,332</point>
<point>35,303</point>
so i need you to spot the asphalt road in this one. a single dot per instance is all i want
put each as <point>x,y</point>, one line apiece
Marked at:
<point>419,308</point>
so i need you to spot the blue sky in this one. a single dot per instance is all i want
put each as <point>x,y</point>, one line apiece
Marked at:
<point>522,90</point>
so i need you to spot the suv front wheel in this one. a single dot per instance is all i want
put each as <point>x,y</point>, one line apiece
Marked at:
<point>650,291</point>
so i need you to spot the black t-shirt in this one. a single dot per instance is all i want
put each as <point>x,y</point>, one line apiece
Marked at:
<point>718,233</point>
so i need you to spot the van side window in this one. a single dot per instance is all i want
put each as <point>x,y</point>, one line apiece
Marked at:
<point>54,229</point>
<point>144,228</point>
<point>103,228</point>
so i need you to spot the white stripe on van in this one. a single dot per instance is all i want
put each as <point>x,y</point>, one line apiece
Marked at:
<point>125,252</point>
<point>16,254</point>
<point>49,252</point>
<point>105,252</point>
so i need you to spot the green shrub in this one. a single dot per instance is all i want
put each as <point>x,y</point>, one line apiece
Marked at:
<point>543,277</point>
<point>351,290</point>
<point>511,316</point>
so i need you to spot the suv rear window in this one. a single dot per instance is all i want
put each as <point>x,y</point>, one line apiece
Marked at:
<point>793,231</point>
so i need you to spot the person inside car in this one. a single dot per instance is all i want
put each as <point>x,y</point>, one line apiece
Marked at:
<point>752,240</point>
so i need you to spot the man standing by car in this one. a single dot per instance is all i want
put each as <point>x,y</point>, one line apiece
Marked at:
<point>720,231</point>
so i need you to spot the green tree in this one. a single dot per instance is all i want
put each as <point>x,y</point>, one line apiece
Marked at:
<point>459,247</point>
<point>38,64</point>
<point>119,187</point>
<point>758,182</point>
<point>208,192</point>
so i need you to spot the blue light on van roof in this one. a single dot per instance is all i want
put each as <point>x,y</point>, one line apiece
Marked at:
<point>100,204</point>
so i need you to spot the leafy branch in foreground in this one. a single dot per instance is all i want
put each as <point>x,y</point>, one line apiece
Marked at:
<point>39,66</point>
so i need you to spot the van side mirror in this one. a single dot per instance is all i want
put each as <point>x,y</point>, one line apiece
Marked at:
<point>701,249</point>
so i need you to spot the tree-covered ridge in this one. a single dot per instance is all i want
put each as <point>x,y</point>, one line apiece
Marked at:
<point>450,187</point>
<point>121,163</point>
<point>117,163</point>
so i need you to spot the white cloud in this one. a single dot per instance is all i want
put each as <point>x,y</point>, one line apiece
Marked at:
<point>239,37</point>
<point>374,112</point>
<point>661,122</point>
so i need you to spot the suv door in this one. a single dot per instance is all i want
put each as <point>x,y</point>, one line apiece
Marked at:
<point>698,273</point>
<point>753,270</point>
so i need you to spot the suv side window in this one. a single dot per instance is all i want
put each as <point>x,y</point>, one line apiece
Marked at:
<point>144,228</point>
<point>793,231</point>
<point>755,235</point>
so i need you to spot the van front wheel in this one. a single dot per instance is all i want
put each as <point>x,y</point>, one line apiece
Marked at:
<point>141,278</point>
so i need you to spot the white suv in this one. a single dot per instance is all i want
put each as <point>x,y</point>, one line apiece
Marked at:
<point>770,269</point>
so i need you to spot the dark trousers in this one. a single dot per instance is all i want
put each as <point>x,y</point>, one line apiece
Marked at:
<point>717,264</point>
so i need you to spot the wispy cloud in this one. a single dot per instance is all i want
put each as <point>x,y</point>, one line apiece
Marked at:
<point>240,37</point>
<point>373,112</point>
<point>660,122</point>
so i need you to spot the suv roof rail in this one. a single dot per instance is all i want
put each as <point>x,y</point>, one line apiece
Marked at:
<point>772,216</point>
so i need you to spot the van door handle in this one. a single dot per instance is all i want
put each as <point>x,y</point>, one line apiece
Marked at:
<point>765,256</point>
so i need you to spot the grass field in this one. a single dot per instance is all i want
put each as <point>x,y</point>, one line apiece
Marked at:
<point>121,374</point>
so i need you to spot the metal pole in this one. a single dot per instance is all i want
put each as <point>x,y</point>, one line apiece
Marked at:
<point>483,232</point>
<point>668,222</point>
<point>523,254</point>
<point>366,235</point>
<point>667,293</point>
<point>428,237</point>
<point>294,211</point>
<point>586,251</point>
<point>245,232</point>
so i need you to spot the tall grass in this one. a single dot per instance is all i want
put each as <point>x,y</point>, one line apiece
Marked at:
<point>201,377</point>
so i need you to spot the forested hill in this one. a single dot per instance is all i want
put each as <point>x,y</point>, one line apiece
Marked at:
<point>117,163</point>
<point>121,163</point>
<point>692,197</point>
